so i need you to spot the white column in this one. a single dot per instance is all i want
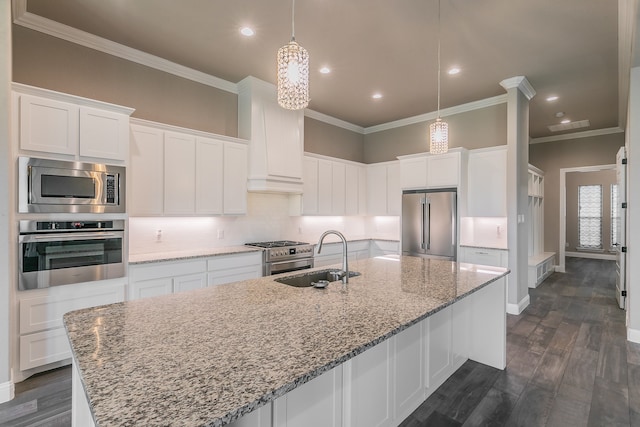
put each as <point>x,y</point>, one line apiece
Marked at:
<point>6,205</point>
<point>633,212</point>
<point>519,92</point>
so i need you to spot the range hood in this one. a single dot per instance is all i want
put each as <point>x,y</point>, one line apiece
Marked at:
<point>276,138</point>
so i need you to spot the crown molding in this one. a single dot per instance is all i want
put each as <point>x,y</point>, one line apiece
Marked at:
<point>463,108</point>
<point>519,82</point>
<point>180,129</point>
<point>47,26</point>
<point>577,135</point>
<point>333,121</point>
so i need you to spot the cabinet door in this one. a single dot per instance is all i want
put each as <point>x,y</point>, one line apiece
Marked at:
<point>48,126</point>
<point>409,390</point>
<point>209,175</point>
<point>104,134</point>
<point>317,403</point>
<point>42,348</point>
<point>146,176</point>
<point>439,358</point>
<point>310,187</point>
<point>413,173</point>
<point>325,182</point>
<point>368,400</point>
<point>338,189</point>
<point>284,141</point>
<point>443,170</point>
<point>394,192</point>
<point>377,190</point>
<point>235,178</point>
<point>362,190</point>
<point>189,283</point>
<point>487,189</point>
<point>179,173</point>
<point>352,186</point>
<point>151,288</point>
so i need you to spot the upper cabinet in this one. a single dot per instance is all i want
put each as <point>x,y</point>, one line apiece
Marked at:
<point>333,186</point>
<point>73,127</point>
<point>424,170</point>
<point>175,171</point>
<point>487,185</point>
<point>276,138</point>
<point>384,195</point>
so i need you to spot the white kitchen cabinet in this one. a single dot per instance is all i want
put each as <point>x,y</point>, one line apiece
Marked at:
<point>384,247</point>
<point>146,171</point>
<point>384,196</point>
<point>276,138</point>
<point>325,187</point>
<point>209,176</point>
<point>338,188</point>
<point>71,126</point>
<point>260,417</point>
<point>189,283</point>
<point>234,268</point>
<point>369,387</point>
<point>443,170</point>
<point>487,185</point>
<point>161,278</point>
<point>484,256</point>
<point>424,170</point>
<point>317,403</point>
<point>413,172</point>
<point>235,179</point>
<point>352,188</point>
<point>151,288</point>
<point>439,353</point>
<point>179,173</point>
<point>41,331</point>
<point>310,190</point>
<point>409,363</point>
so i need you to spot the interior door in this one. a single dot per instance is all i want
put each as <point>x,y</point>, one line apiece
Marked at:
<point>621,218</point>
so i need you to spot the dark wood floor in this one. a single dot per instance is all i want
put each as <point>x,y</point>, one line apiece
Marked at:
<point>568,364</point>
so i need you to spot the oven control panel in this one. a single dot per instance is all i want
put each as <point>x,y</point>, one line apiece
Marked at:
<point>290,252</point>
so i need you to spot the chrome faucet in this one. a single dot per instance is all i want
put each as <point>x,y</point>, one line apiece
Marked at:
<point>345,262</point>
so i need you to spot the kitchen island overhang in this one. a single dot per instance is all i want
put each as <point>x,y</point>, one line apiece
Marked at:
<point>209,356</point>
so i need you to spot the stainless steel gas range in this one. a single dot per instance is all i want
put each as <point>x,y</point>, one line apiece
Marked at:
<point>283,256</point>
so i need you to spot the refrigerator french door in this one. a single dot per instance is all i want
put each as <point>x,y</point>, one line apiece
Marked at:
<point>429,223</point>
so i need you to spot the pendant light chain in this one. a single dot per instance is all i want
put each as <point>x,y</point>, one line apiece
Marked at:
<point>438,130</point>
<point>293,21</point>
<point>438,59</point>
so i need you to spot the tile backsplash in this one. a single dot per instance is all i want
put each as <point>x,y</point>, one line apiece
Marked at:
<point>489,232</point>
<point>268,218</point>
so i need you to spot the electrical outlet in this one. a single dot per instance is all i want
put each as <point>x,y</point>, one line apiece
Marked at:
<point>299,230</point>
<point>220,234</point>
<point>159,236</point>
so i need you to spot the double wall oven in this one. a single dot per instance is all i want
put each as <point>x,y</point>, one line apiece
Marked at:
<point>283,256</point>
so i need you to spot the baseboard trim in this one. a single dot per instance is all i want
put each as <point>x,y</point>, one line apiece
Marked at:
<point>591,255</point>
<point>633,335</point>
<point>518,308</point>
<point>6,391</point>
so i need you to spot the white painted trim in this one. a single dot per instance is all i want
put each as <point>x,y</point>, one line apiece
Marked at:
<point>577,135</point>
<point>591,255</point>
<point>475,105</point>
<point>563,207</point>
<point>428,154</point>
<point>7,391</point>
<point>633,335</point>
<point>73,35</point>
<point>517,309</point>
<point>333,159</point>
<point>521,83</point>
<point>321,117</point>
<point>195,132</point>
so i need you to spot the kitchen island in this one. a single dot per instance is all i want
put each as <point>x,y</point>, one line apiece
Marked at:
<point>211,356</point>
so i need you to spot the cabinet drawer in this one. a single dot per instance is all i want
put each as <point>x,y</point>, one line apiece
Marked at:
<point>189,283</point>
<point>42,348</point>
<point>493,257</point>
<point>45,311</point>
<point>234,260</point>
<point>151,288</point>
<point>230,275</point>
<point>166,269</point>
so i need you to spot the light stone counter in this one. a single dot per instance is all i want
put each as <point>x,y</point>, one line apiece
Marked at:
<point>188,254</point>
<point>206,357</point>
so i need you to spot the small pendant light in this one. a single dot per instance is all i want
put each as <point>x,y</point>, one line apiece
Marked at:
<point>293,72</point>
<point>438,130</point>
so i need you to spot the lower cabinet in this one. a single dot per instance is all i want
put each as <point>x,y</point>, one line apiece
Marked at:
<point>384,247</point>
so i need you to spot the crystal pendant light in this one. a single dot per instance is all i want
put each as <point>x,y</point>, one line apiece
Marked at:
<point>438,130</point>
<point>293,72</point>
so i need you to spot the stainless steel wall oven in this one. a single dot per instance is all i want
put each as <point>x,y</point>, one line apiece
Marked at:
<point>56,253</point>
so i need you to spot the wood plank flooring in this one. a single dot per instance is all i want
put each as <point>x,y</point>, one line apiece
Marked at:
<point>568,364</point>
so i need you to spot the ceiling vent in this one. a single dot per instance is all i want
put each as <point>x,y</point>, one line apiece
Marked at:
<point>569,126</point>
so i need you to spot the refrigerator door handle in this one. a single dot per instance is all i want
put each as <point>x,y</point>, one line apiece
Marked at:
<point>423,205</point>
<point>428,225</point>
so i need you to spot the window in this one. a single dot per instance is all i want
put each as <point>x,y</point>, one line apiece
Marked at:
<point>590,216</point>
<point>615,215</point>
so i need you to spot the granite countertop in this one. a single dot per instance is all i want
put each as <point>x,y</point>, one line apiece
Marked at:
<point>206,357</point>
<point>188,254</point>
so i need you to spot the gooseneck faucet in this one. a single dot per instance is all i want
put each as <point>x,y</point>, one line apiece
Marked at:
<point>345,262</point>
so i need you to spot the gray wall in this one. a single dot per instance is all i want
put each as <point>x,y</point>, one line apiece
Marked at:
<point>572,153</point>
<point>573,179</point>
<point>329,140</point>
<point>52,63</point>
<point>486,127</point>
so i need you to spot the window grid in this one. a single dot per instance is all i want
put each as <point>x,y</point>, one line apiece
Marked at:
<point>615,215</point>
<point>590,216</point>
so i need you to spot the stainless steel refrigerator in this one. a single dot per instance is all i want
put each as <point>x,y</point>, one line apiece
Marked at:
<point>429,223</point>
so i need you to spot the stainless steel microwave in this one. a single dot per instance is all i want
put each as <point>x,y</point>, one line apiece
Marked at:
<point>67,187</point>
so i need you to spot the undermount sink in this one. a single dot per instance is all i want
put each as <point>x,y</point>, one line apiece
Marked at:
<point>305,280</point>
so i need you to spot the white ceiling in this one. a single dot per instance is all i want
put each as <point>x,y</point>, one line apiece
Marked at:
<point>567,48</point>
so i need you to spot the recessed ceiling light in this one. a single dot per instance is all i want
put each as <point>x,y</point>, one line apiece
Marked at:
<point>246,31</point>
<point>453,71</point>
<point>376,96</point>
<point>560,114</point>
<point>325,70</point>
<point>565,121</point>
<point>552,98</point>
